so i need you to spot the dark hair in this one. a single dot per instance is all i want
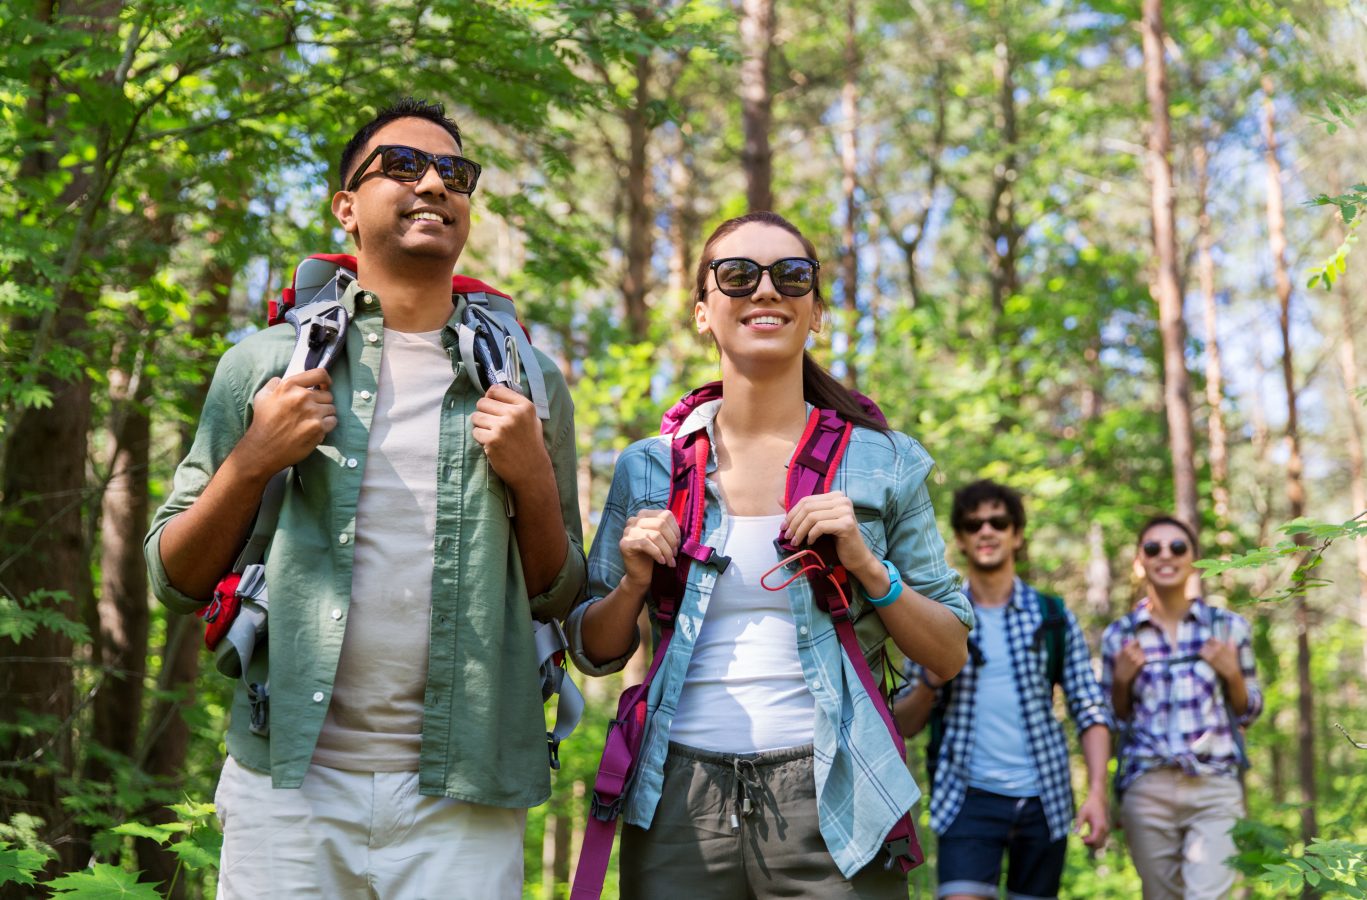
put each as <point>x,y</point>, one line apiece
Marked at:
<point>403,108</point>
<point>1176,523</point>
<point>969,497</point>
<point>819,387</point>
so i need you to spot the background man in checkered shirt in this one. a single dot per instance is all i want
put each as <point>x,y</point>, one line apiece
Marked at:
<point>1000,779</point>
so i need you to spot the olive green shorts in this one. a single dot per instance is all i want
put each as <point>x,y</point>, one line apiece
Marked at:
<point>741,826</point>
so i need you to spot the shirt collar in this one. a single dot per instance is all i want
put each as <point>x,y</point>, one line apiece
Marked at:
<point>1198,611</point>
<point>351,297</point>
<point>1019,594</point>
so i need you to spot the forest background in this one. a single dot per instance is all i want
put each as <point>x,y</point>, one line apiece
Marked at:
<point>1098,250</point>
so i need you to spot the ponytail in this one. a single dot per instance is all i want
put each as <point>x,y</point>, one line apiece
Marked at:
<point>820,389</point>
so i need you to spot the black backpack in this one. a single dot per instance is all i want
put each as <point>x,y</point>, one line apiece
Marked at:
<point>1053,630</point>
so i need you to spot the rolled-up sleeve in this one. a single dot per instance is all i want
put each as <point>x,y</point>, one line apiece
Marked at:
<point>1086,703</point>
<point>1243,635</point>
<point>567,589</point>
<point>915,546</point>
<point>605,567</point>
<point>222,423</point>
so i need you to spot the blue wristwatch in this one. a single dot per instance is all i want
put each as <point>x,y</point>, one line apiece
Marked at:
<point>894,589</point>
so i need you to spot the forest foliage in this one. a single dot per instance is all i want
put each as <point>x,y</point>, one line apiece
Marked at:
<point>977,176</point>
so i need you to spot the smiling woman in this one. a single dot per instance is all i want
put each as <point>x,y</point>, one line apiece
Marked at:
<point>762,695</point>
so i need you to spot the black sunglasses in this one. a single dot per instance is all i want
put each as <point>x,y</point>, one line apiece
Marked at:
<point>998,523</point>
<point>1153,548</point>
<point>737,276</point>
<point>410,164</point>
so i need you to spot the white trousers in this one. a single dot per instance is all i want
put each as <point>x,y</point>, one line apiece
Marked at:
<point>362,835</point>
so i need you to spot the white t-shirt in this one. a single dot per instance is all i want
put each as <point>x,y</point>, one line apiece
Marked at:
<point>744,691</point>
<point>374,721</point>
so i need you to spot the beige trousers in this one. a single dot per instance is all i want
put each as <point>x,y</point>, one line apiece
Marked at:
<point>1178,828</point>
<point>362,835</point>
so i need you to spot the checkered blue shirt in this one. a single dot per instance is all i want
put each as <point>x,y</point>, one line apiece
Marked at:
<point>1180,715</point>
<point>1043,734</point>
<point>862,784</point>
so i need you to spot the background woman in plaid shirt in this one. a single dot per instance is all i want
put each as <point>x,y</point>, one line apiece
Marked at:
<point>1181,680</point>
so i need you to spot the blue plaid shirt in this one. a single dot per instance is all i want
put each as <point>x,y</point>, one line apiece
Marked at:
<point>862,785</point>
<point>1043,733</point>
<point>1180,714</point>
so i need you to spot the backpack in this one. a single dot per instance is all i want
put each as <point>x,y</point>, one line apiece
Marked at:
<point>1053,630</point>
<point>811,471</point>
<point>492,343</point>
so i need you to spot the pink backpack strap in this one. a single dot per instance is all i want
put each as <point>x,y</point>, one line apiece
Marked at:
<point>687,501</point>
<point>812,471</point>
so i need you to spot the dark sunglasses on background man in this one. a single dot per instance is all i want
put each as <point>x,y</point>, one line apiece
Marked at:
<point>1153,548</point>
<point>998,523</point>
<point>410,164</point>
<point>737,276</point>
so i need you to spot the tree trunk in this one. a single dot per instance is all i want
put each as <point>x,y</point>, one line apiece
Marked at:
<point>1166,287</point>
<point>756,101</point>
<point>166,737</point>
<point>849,183</point>
<point>1357,473</point>
<point>1003,232</point>
<point>1215,394</point>
<point>43,548</point>
<point>1295,487</point>
<point>638,204</point>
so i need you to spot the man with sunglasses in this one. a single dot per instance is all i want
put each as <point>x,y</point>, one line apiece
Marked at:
<point>1001,783</point>
<point>430,520</point>
<point>1180,677</point>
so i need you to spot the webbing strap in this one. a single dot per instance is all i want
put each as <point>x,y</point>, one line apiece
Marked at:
<point>812,471</point>
<point>496,336</point>
<point>687,501</point>
<point>549,639</point>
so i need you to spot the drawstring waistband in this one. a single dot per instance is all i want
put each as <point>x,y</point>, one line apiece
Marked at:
<point>746,788</point>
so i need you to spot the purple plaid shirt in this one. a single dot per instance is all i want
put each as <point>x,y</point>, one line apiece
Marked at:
<point>1181,716</point>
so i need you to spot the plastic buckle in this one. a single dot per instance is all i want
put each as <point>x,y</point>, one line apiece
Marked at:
<point>259,699</point>
<point>553,746</point>
<point>605,812</point>
<point>896,850</point>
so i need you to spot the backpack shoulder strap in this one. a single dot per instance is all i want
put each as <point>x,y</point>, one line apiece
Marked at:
<point>1053,628</point>
<point>812,471</point>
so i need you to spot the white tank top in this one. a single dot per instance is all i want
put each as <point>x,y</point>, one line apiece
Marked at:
<point>744,691</point>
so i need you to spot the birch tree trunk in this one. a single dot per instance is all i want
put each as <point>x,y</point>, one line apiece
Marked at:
<point>756,99</point>
<point>1295,487</point>
<point>1166,285</point>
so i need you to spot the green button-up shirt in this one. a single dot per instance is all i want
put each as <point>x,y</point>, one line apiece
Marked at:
<point>483,733</point>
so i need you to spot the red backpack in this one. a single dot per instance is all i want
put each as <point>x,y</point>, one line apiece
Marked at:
<point>811,471</point>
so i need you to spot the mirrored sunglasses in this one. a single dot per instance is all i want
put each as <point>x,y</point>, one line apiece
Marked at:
<point>794,276</point>
<point>410,164</point>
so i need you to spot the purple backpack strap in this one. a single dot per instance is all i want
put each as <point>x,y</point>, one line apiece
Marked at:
<point>812,471</point>
<point>687,500</point>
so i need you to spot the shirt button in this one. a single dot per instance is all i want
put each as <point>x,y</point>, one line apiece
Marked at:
<point>365,395</point>
<point>317,696</point>
<point>351,463</point>
<point>816,686</point>
<point>802,629</point>
<point>336,614</point>
<point>372,338</point>
<point>342,539</point>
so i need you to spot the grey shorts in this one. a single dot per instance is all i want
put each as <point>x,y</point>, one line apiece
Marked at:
<point>704,843</point>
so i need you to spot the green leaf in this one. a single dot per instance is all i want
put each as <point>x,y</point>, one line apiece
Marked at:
<point>103,882</point>
<point>17,864</point>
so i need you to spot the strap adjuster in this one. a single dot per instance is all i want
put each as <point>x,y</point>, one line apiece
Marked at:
<point>553,747</point>
<point>605,811</point>
<point>896,849</point>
